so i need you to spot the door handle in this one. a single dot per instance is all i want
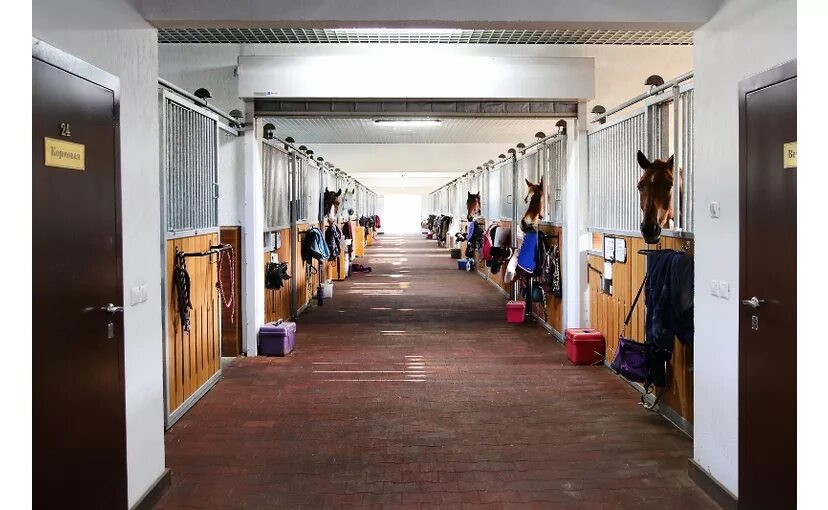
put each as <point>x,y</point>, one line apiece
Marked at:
<point>753,302</point>
<point>113,309</point>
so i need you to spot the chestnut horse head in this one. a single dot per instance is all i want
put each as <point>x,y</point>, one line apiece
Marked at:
<point>655,189</point>
<point>473,205</point>
<point>330,201</point>
<point>534,197</point>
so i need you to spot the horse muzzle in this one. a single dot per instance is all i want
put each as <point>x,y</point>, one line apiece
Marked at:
<point>651,233</point>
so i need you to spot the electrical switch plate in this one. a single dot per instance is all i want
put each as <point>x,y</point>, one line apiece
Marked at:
<point>134,295</point>
<point>144,293</point>
<point>724,289</point>
<point>714,287</point>
<point>715,209</point>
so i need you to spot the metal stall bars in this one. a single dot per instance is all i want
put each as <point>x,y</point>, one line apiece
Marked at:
<point>554,178</point>
<point>189,161</point>
<point>663,126</point>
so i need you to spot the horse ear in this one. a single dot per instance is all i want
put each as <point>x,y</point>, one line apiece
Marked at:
<point>670,162</point>
<point>528,183</point>
<point>339,192</point>
<point>643,162</point>
<point>470,195</point>
<point>326,189</point>
<point>540,184</point>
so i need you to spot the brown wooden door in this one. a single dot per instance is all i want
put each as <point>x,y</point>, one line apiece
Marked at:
<point>79,431</point>
<point>767,326</point>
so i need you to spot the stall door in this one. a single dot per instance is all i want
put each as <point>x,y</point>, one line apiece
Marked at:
<point>767,327</point>
<point>79,432</point>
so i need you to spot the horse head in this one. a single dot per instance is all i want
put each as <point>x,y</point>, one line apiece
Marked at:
<point>473,205</point>
<point>348,201</point>
<point>534,197</point>
<point>330,200</point>
<point>655,189</point>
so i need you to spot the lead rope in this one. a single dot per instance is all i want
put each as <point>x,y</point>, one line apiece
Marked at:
<point>181,281</point>
<point>220,285</point>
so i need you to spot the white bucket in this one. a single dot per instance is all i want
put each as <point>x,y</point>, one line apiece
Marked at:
<point>327,290</point>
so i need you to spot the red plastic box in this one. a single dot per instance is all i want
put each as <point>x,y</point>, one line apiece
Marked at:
<point>584,346</point>
<point>515,312</point>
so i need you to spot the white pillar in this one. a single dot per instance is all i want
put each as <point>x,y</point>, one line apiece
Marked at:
<point>252,235</point>
<point>576,237</point>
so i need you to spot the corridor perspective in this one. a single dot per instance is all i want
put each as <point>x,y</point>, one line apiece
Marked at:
<point>417,254</point>
<point>409,390</point>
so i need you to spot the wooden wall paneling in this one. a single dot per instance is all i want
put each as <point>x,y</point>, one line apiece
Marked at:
<point>277,301</point>
<point>231,331</point>
<point>359,241</point>
<point>194,355</point>
<point>339,271</point>
<point>607,314</point>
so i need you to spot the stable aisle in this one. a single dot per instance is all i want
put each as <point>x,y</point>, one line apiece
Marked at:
<point>409,389</point>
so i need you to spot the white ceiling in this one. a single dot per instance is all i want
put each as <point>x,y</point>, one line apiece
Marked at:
<point>450,130</point>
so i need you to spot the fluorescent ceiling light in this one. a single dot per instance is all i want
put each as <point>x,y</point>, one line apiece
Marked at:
<point>407,122</point>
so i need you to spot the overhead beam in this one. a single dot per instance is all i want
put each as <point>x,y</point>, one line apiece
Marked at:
<point>466,14</point>
<point>417,74</point>
<point>406,108</point>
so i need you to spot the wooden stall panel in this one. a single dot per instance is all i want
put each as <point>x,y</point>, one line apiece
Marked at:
<point>194,356</point>
<point>607,314</point>
<point>231,331</point>
<point>554,305</point>
<point>359,241</point>
<point>305,287</point>
<point>277,301</point>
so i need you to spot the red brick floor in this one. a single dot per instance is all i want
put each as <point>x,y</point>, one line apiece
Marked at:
<point>409,390</point>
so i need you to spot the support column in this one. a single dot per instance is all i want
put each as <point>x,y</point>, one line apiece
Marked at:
<point>576,236</point>
<point>252,235</point>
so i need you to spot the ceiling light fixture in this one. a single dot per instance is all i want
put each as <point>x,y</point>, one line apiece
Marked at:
<point>407,122</point>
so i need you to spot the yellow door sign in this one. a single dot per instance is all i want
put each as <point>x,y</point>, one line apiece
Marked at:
<point>789,157</point>
<point>63,154</point>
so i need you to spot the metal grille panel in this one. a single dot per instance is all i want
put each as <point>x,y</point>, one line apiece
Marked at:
<point>554,178</point>
<point>190,149</point>
<point>506,179</point>
<point>275,186</point>
<point>311,194</point>
<point>688,196</point>
<point>614,174</point>
<point>408,36</point>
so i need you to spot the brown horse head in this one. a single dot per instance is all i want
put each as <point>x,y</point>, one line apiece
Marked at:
<point>473,204</point>
<point>534,197</point>
<point>655,188</point>
<point>330,201</point>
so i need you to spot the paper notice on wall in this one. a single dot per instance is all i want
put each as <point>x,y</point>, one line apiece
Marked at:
<point>607,270</point>
<point>609,249</point>
<point>620,250</point>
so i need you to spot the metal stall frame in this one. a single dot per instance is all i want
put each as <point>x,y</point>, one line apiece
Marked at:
<point>678,96</point>
<point>298,211</point>
<point>164,95</point>
<point>280,148</point>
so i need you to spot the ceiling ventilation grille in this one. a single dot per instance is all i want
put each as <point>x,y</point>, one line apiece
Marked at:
<point>402,36</point>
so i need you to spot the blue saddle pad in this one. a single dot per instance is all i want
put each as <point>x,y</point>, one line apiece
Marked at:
<point>526,257</point>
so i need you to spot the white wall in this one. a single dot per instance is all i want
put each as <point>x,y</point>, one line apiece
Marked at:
<point>113,36</point>
<point>742,39</point>
<point>620,71</point>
